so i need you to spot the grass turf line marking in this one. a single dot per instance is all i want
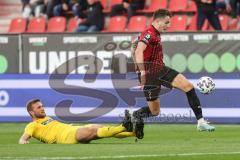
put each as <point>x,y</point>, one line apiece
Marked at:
<point>120,156</point>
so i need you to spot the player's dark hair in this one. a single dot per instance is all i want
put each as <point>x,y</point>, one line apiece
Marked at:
<point>161,13</point>
<point>30,103</point>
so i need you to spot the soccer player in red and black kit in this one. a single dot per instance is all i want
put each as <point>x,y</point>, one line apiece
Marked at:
<point>148,56</point>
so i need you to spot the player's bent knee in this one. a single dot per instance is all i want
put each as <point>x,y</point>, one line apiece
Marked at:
<point>85,135</point>
<point>188,86</point>
<point>182,83</point>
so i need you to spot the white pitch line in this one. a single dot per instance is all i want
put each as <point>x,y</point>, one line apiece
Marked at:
<point>122,156</point>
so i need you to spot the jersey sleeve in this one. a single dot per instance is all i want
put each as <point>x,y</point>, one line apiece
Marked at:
<point>145,37</point>
<point>29,129</point>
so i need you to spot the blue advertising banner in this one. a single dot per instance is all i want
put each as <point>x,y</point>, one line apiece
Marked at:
<point>222,106</point>
<point>53,68</point>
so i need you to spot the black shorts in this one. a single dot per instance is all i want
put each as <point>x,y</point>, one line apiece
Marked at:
<point>153,84</point>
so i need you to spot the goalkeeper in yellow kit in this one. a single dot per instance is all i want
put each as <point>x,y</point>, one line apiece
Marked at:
<point>48,130</point>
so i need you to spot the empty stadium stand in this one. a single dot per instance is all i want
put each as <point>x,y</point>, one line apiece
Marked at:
<point>18,25</point>
<point>37,25</point>
<point>56,24</point>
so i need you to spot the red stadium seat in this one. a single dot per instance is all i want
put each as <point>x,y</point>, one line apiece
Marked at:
<point>178,23</point>
<point>205,26</point>
<point>224,22</point>
<point>18,25</point>
<point>178,5</point>
<point>210,28</point>
<point>37,25</point>
<point>72,24</point>
<point>56,24</point>
<point>193,24</point>
<point>233,24</point>
<point>137,24</point>
<point>156,4</point>
<point>192,7</point>
<point>105,6</point>
<point>117,24</point>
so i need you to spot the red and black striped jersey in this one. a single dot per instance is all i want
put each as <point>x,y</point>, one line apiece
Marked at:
<point>153,54</point>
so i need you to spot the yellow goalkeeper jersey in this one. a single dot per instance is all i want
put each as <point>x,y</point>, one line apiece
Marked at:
<point>48,130</point>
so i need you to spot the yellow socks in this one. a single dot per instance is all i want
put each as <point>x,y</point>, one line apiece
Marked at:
<point>124,135</point>
<point>110,131</point>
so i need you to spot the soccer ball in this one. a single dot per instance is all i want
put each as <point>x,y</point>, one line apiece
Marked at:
<point>206,85</point>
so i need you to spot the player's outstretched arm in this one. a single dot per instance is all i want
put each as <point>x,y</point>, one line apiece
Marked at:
<point>24,139</point>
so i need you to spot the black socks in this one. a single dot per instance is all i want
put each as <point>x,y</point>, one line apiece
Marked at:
<point>194,103</point>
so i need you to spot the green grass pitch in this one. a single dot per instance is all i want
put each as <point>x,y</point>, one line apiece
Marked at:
<point>165,142</point>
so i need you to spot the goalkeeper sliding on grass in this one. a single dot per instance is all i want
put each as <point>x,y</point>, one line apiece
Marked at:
<point>47,130</point>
